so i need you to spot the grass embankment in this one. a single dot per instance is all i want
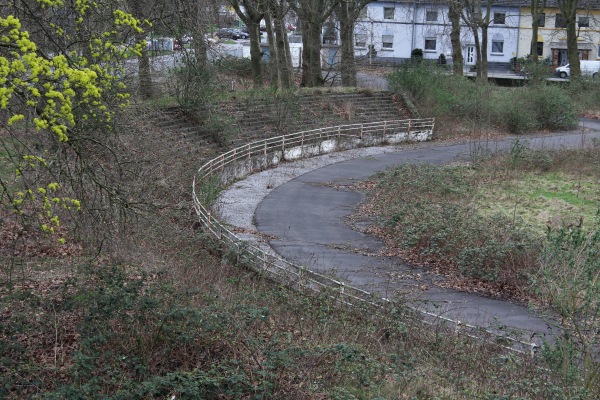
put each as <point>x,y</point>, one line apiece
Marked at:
<point>524,226</point>
<point>162,311</point>
<point>489,220</point>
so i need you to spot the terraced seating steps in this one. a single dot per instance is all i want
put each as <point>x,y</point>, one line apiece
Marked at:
<point>259,117</point>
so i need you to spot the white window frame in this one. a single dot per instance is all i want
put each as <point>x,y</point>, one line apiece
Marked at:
<point>584,18</point>
<point>430,39</point>
<point>503,14</point>
<point>501,43</point>
<point>542,21</point>
<point>387,44</point>
<point>388,9</point>
<point>360,43</point>
<point>433,13</point>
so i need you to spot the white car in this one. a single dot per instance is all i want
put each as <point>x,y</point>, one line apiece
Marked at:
<point>588,68</point>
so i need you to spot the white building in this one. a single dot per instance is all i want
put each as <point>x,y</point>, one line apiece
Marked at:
<point>393,28</point>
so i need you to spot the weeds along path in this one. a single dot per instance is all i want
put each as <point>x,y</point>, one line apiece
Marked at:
<point>299,208</point>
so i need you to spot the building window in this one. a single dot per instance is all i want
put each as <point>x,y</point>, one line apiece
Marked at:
<point>387,41</point>
<point>361,40</point>
<point>431,16</point>
<point>584,22</point>
<point>364,13</point>
<point>388,12</point>
<point>542,20</point>
<point>540,49</point>
<point>560,21</point>
<point>430,44</point>
<point>499,18</point>
<point>497,46</point>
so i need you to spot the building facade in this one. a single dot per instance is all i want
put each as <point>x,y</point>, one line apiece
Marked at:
<point>394,28</point>
<point>551,41</point>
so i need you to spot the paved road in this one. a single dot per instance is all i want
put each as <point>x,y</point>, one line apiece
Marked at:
<point>306,218</point>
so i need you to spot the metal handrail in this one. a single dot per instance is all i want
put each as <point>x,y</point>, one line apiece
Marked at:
<point>302,145</point>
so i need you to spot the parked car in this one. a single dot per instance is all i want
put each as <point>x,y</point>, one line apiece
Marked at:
<point>228,33</point>
<point>241,33</point>
<point>588,68</point>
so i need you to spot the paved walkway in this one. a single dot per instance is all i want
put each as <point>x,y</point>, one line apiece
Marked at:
<point>302,207</point>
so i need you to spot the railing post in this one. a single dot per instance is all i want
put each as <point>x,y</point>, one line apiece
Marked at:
<point>301,277</point>
<point>384,127</point>
<point>361,131</point>
<point>409,126</point>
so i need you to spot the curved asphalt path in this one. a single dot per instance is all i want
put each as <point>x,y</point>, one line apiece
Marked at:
<point>305,216</point>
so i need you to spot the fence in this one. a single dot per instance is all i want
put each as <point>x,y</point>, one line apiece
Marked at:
<point>266,153</point>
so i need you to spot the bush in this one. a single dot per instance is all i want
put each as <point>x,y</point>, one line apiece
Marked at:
<point>554,108</point>
<point>416,55</point>
<point>426,207</point>
<point>479,104</point>
<point>569,280</point>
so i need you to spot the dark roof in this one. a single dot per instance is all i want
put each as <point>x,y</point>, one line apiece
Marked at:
<point>583,4</point>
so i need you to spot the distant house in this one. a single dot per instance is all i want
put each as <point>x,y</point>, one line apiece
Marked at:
<point>394,28</point>
<point>552,35</point>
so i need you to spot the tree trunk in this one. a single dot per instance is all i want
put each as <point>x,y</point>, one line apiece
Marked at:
<point>537,9</point>
<point>347,18</point>
<point>144,71</point>
<point>273,53</point>
<point>252,16</point>
<point>255,52</point>
<point>311,54</point>
<point>570,13</point>
<point>475,31</point>
<point>534,34</point>
<point>312,13</point>
<point>457,57</point>
<point>484,47</point>
<point>284,60</point>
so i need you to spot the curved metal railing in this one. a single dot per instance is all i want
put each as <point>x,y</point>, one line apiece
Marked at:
<point>266,153</point>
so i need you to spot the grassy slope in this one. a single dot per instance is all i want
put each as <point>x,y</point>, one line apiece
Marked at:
<point>167,313</point>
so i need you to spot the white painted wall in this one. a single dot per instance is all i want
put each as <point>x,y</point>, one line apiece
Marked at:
<point>411,29</point>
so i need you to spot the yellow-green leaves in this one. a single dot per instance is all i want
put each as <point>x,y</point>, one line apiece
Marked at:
<point>123,18</point>
<point>54,87</point>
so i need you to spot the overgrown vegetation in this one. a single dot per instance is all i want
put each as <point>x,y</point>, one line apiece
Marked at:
<point>445,212</point>
<point>137,303</point>
<point>474,106</point>
<point>115,331</point>
<point>462,222</point>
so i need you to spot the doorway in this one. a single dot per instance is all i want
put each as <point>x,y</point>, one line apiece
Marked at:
<point>470,55</point>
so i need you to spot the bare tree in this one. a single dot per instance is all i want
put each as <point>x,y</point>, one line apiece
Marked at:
<point>537,12</point>
<point>252,12</point>
<point>144,72</point>
<point>348,12</point>
<point>568,9</point>
<point>279,9</point>
<point>473,16</point>
<point>454,13</point>
<point>312,13</point>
